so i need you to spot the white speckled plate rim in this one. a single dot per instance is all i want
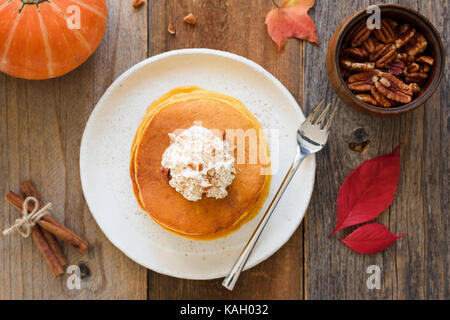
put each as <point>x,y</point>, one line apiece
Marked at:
<point>105,154</point>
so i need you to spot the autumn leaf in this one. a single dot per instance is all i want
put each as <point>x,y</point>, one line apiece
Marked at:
<point>371,238</point>
<point>291,20</point>
<point>368,190</point>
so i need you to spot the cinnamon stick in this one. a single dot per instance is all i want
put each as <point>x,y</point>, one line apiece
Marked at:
<point>46,251</point>
<point>51,225</point>
<point>39,238</point>
<point>29,190</point>
<point>53,243</point>
<point>17,201</point>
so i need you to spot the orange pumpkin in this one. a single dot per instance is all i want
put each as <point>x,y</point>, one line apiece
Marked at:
<point>42,39</point>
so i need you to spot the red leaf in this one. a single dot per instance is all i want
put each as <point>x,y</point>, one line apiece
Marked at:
<point>371,238</point>
<point>291,20</point>
<point>368,190</point>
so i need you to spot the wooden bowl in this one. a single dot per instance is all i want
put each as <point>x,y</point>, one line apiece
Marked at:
<point>399,13</point>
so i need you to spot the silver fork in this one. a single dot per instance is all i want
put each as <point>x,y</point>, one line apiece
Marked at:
<point>312,136</point>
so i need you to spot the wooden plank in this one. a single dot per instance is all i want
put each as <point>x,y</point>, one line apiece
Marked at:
<point>238,27</point>
<point>415,267</point>
<point>435,169</point>
<point>41,131</point>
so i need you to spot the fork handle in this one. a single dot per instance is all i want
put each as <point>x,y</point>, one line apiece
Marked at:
<point>232,277</point>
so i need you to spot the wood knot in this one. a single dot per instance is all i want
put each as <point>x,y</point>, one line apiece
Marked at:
<point>85,272</point>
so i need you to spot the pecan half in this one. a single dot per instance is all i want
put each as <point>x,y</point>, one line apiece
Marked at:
<point>363,81</point>
<point>385,34</point>
<point>417,77</point>
<point>380,99</point>
<point>406,58</point>
<point>367,98</point>
<point>360,86</point>
<point>416,45</point>
<point>397,67</point>
<point>370,44</point>
<point>367,76</point>
<point>385,59</point>
<point>379,50</point>
<point>415,88</point>
<point>393,88</point>
<point>357,66</point>
<point>413,67</point>
<point>359,34</point>
<point>425,60</point>
<point>406,33</point>
<point>356,53</point>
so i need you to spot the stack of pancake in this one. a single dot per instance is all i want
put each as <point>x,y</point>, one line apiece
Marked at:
<point>207,218</point>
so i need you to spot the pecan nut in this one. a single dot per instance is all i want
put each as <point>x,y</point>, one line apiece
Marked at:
<point>426,63</point>
<point>359,34</point>
<point>386,58</point>
<point>385,34</point>
<point>406,33</point>
<point>355,53</point>
<point>393,88</point>
<point>412,68</point>
<point>357,66</point>
<point>370,44</point>
<point>416,45</point>
<point>380,99</point>
<point>367,98</point>
<point>367,76</point>
<point>414,87</point>
<point>417,77</point>
<point>425,60</point>
<point>397,67</point>
<point>363,81</point>
<point>360,86</point>
<point>406,58</point>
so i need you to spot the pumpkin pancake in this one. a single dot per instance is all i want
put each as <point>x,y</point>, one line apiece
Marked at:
<point>207,218</point>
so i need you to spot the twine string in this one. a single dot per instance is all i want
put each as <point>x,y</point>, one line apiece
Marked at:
<point>24,225</point>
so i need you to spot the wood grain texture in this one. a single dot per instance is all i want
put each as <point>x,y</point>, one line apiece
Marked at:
<point>416,266</point>
<point>41,124</point>
<point>235,26</point>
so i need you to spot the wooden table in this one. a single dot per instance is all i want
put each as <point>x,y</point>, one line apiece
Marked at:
<point>41,124</point>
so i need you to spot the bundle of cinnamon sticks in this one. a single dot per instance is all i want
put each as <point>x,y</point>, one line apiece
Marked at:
<point>46,230</point>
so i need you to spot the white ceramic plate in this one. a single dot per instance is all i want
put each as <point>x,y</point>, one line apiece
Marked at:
<point>105,155</point>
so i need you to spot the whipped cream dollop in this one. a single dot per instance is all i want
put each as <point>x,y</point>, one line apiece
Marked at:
<point>199,163</point>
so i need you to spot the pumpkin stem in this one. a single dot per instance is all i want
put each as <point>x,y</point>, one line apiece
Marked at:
<point>35,2</point>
